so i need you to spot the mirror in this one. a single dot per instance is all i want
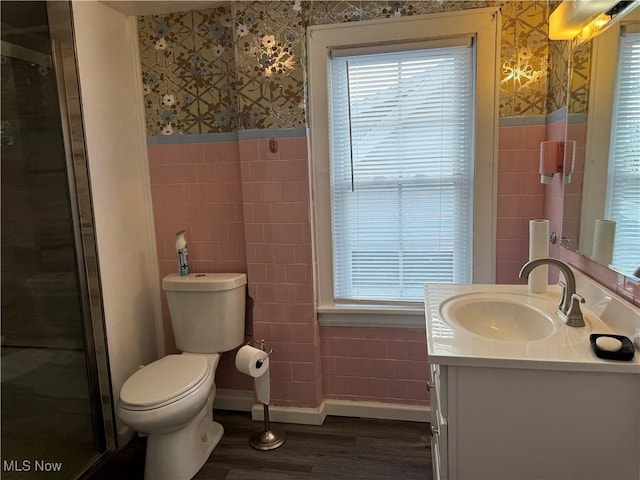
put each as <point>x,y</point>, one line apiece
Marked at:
<point>576,135</point>
<point>601,216</point>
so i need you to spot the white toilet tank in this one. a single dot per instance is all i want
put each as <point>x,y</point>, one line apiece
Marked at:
<point>207,310</point>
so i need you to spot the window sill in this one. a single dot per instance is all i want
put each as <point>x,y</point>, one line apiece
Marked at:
<point>369,316</point>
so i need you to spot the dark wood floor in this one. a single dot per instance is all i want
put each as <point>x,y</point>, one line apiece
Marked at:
<point>340,449</point>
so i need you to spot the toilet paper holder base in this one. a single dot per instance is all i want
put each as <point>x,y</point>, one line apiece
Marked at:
<point>267,439</point>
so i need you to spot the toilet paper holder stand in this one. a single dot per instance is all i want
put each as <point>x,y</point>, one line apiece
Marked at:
<point>267,439</point>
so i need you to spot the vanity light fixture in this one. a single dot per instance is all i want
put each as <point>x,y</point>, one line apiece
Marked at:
<point>606,19</point>
<point>571,16</point>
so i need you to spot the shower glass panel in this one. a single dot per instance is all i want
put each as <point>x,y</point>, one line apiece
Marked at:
<point>51,427</point>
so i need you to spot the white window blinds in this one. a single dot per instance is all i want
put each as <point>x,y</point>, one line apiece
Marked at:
<point>623,187</point>
<point>402,150</point>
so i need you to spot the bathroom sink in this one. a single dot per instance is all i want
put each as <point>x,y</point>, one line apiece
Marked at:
<point>508,317</point>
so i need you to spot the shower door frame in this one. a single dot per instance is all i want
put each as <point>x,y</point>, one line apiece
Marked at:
<point>64,65</point>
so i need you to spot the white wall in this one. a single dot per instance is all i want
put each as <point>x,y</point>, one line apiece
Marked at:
<point>112,103</point>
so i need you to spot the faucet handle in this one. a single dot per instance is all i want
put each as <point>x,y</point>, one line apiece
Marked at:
<point>574,314</point>
<point>577,297</point>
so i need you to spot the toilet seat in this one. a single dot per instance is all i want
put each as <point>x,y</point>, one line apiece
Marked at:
<point>164,381</point>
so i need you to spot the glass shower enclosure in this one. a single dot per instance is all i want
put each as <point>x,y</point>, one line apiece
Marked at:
<point>54,421</point>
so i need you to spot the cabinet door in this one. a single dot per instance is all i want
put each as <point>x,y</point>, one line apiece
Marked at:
<point>438,390</point>
<point>435,456</point>
<point>433,392</point>
<point>439,427</point>
<point>439,439</point>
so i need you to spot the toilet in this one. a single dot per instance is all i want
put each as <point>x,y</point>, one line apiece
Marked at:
<point>171,399</point>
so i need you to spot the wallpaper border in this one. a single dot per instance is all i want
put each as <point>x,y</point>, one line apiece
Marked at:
<point>302,132</point>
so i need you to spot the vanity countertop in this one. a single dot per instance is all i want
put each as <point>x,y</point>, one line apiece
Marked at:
<point>568,348</point>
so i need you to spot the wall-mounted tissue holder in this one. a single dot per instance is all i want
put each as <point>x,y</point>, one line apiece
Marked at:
<point>556,157</point>
<point>550,160</point>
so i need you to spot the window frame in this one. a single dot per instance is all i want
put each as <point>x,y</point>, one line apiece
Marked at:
<point>484,24</point>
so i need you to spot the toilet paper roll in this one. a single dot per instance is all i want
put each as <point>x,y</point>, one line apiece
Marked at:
<point>603,238</point>
<point>252,361</point>
<point>263,388</point>
<point>255,363</point>
<point>538,248</point>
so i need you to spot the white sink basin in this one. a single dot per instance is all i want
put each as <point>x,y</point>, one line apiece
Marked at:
<point>508,317</point>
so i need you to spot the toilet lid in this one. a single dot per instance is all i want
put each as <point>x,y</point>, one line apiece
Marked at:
<point>163,380</point>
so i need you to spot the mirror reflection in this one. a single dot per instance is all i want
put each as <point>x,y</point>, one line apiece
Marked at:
<point>601,207</point>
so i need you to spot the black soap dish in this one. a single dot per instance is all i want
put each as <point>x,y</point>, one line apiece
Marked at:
<point>625,353</point>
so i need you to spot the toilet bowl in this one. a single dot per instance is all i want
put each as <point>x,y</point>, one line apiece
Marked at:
<point>171,399</point>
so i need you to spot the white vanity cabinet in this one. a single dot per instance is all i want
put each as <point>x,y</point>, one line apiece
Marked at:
<point>512,423</point>
<point>506,407</point>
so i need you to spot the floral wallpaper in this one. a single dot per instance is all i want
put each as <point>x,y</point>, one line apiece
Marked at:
<point>189,72</point>
<point>524,58</point>
<point>580,71</point>
<point>241,65</point>
<point>559,53</point>
<point>270,63</point>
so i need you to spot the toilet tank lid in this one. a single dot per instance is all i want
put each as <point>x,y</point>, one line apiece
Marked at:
<point>203,282</point>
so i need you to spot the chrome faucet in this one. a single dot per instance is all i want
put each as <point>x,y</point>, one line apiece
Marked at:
<point>569,306</point>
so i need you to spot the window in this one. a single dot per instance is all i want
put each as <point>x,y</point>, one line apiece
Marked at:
<point>623,185</point>
<point>402,167</point>
<point>403,129</point>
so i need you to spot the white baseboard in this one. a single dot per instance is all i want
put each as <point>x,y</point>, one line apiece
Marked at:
<point>125,434</point>
<point>236,400</point>
<point>244,401</point>
<point>383,411</point>
<point>299,415</point>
